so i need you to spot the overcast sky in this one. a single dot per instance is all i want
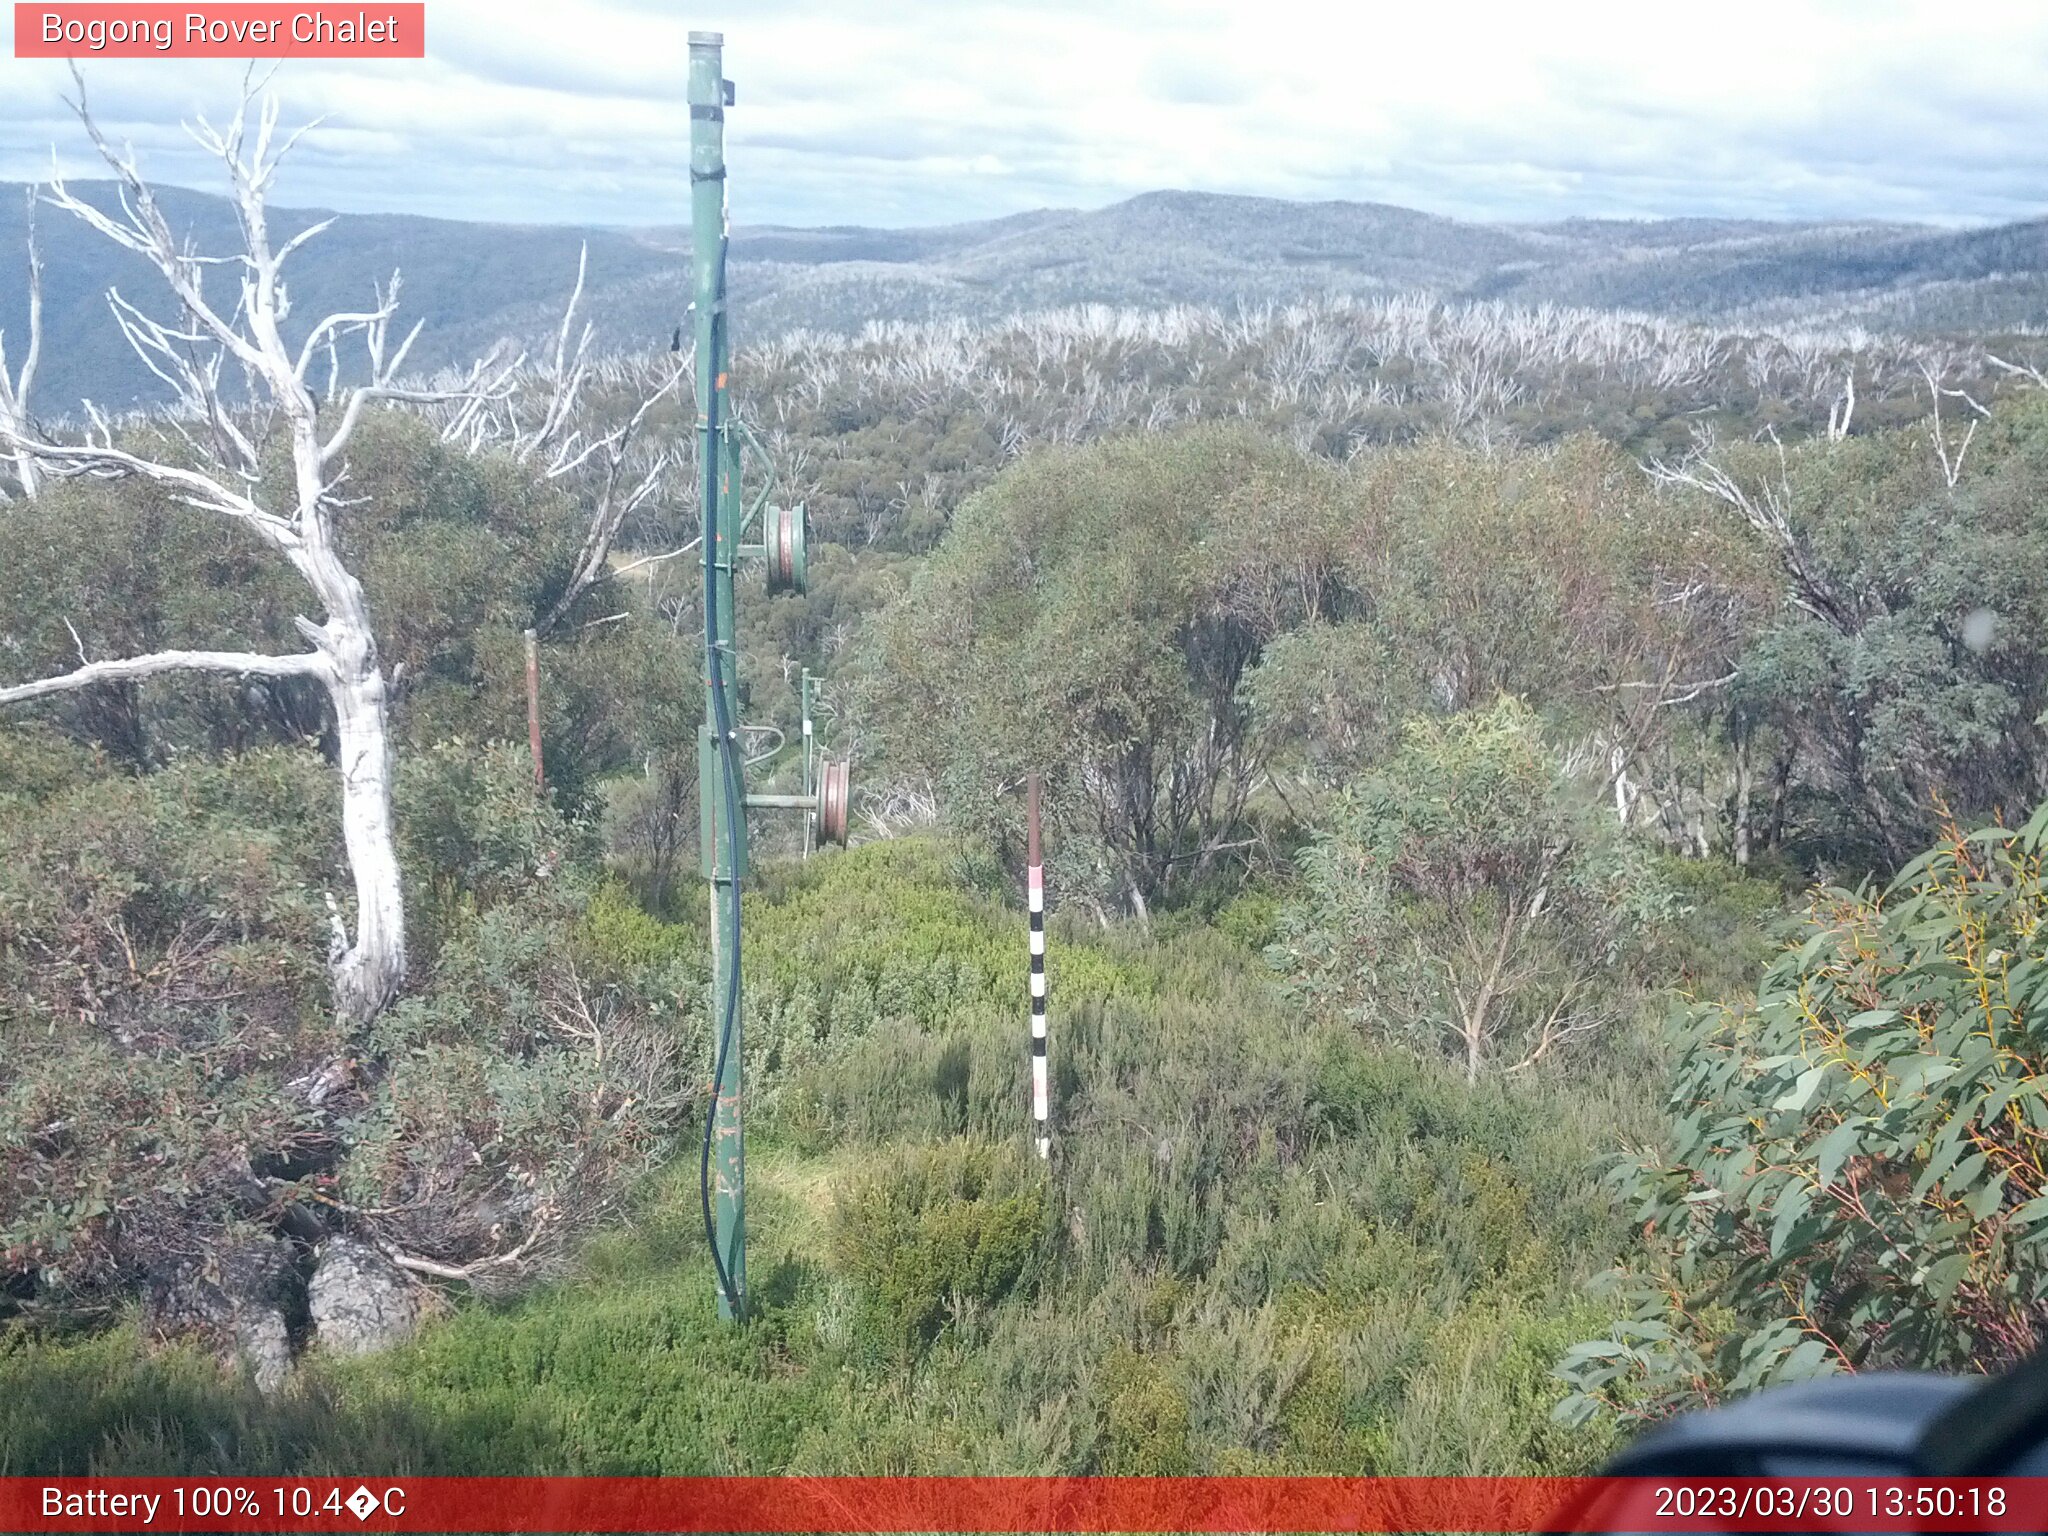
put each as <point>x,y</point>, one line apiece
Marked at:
<point>929,111</point>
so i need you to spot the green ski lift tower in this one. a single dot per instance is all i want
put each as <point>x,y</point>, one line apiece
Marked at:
<point>724,444</point>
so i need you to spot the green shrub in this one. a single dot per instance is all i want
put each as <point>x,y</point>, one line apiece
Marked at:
<point>619,937</point>
<point>36,761</point>
<point>1109,597</point>
<point>935,1226</point>
<point>517,1094</point>
<point>160,983</point>
<point>474,835</point>
<point>1145,1417</point>
<point>1252,919</point>
<point>1856,1172</point>
<point>1471,897</point>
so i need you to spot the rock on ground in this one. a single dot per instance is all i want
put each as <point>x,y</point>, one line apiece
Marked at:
<point>360,1301</point>
<point>236,1296</point>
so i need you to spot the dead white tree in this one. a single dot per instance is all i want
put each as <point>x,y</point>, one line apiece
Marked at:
<point>14,388</point>
<point>2018,370</point>
<point>1844,408</point>
<point>621,489</point>
<point>1767,509</point>
<point>225,440</point>
<point>564,447</point>
<point>1950,459</point>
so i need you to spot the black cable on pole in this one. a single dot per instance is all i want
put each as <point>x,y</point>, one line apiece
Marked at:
<point>733,808</point>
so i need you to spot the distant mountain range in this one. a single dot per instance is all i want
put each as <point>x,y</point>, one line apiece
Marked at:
<point>475,283</point>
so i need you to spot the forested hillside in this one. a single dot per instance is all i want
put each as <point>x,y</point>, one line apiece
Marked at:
<point>1541,834</point>
<point>483,283</point>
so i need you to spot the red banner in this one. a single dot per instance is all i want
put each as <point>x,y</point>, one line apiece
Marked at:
<point>373,30</point>
<point>915,1504</point>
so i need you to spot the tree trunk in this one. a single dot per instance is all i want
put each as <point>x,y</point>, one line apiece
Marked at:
<point>369,972</point>
<point>14,391</point>
<point>1699,841</point>
<point>1781,786</point>
<point>1474,1032</point>
<point>1742,793</point>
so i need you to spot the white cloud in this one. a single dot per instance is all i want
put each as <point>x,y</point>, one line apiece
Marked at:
<point>924,111</point>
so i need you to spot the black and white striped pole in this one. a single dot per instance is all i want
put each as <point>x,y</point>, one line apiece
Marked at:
<point>1035,898</point>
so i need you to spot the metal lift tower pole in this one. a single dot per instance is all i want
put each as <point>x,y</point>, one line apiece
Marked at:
<point>720,785</point>
<point>722,442</point>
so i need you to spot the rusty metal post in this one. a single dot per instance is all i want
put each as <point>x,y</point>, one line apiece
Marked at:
<point>533,707</point>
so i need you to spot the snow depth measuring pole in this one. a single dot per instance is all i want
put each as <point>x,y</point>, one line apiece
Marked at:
<point>722,798</point>
<point>1034,898</point>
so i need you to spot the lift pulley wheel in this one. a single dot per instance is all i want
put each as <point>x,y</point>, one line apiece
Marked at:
<point>835,791</point>
<point>788,563</point>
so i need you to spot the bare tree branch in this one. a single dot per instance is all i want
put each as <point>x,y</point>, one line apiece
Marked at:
<point>243,663</point>
<point>94,461</point>
<point>543,1227</point>
<point>143,229</point>
<point>1768,511</point>
<point>615,503</point>
<point>570,372</point>
<point>490,378</point>
<point>1666,699</point>
<point>2018,370</point>
<point>1844,408</point>
<point>645,560</point>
